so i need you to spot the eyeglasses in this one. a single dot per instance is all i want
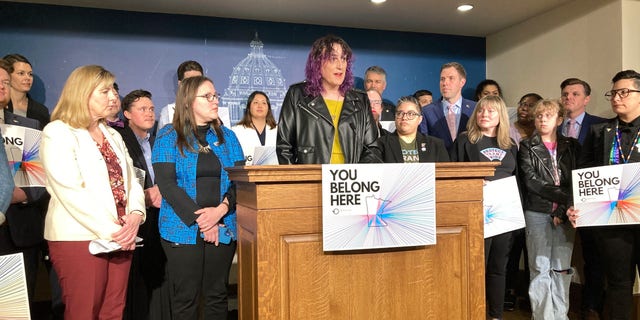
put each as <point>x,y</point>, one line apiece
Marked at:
<point>375,101</point>
<point>623,93</point>
<point>210,96</point>
<point>6,83</point>
<point>410,115</point>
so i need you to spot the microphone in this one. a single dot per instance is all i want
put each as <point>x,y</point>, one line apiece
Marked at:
<point>374,154</point>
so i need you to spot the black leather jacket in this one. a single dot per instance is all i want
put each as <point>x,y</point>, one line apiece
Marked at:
<point>540,191</point>
<point>305,129</point>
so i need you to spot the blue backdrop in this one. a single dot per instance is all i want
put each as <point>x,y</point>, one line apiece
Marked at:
<point>143,50</point>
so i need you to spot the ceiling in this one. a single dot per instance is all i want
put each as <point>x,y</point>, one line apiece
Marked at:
<point>428,16</point>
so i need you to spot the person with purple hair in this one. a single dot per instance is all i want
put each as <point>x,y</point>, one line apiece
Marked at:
<point>323,119</point>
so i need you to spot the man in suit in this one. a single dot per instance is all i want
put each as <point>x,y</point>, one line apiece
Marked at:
<point>575,95</point>
<point>23,232</point>
<point>375,78</point>
<point>146,280</point>
<point>447,117</point>
<point>612,142</point>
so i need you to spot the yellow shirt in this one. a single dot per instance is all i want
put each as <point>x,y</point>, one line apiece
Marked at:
<point>335,108</point>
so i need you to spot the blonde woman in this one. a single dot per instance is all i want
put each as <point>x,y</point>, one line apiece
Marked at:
<point>546,160</point>
<point>94,195</point>
<point>487,139</point>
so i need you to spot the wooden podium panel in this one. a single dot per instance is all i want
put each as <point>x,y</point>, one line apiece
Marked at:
<point>284,274</point>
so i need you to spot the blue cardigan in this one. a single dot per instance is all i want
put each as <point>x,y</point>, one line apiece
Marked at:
<point>165,150</point>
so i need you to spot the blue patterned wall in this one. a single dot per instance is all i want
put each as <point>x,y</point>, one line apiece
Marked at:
<point>143,50</point>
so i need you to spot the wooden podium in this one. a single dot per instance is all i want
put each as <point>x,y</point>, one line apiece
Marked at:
<point>284,274</point>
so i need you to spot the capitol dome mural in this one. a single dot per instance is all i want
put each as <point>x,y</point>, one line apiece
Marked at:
<point>255,72</point>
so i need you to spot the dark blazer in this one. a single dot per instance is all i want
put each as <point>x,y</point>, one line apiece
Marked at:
<point>586,124</point>
<point>16,120</point>
<point>135,151</point>
<point>388,111</point>
<point>430,149</point>
<point>35,110</point>
<point>597,146</point>
<point>434,122</point>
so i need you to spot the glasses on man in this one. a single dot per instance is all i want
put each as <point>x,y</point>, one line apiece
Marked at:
<point>408,115</point>
<point>622,93</point>
<point>5,83</point>
<point>375,101</point>
<point>210,96</point>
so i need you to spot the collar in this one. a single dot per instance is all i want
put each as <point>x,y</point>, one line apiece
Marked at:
<point>579,119</point>
<point>118,123</point>
<point>142,140</point>
<point>635,123</point>
<point>457,104</point>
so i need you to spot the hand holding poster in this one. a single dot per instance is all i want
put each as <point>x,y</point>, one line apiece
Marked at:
<point>502,207</point>
<point>607,195</point>
<point>367,206</point>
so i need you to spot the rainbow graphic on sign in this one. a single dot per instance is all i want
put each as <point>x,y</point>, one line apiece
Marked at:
<point>608,195</point>
<point>369,206</point>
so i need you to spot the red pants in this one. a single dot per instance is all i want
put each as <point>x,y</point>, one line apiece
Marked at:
<point>93,287</point>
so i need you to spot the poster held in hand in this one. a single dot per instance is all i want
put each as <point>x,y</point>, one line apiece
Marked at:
<point>607,195</point>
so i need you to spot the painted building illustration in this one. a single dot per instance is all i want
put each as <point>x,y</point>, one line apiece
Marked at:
<point>255,72</point>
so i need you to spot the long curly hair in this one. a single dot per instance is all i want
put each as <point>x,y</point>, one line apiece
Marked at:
<point>319,53</point>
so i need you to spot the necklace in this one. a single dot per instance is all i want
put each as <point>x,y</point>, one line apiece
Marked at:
<point>204,149</point>
<point>616,152</point>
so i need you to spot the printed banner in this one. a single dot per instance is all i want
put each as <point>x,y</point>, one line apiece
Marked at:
<point>502,207</point>
<point>369,206</point>
<point>23,152</point>
<point>607,195</point>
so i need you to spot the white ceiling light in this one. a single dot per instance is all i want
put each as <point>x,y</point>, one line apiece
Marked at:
<point>378,1</point>
<point>465,7</point>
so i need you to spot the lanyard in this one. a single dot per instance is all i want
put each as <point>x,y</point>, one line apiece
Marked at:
<point>616,154</point>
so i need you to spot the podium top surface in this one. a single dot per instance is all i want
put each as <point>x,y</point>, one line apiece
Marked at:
<point>313,172</point>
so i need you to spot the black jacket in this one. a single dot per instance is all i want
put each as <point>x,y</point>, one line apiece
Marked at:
<point>35,110</point>
<point>430,149</point>
<point>135,151</point>
<point>540,191</point>
<point>305,129</point>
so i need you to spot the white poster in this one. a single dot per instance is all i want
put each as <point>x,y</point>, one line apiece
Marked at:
<point>607,195</point>
<point>23,152</point>
<point>502,207</point>
<point>368,206</point>
<point>14,299</point>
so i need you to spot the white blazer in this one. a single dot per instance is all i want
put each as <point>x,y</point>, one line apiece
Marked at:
<point>82,205</point>
<point>248,138</point>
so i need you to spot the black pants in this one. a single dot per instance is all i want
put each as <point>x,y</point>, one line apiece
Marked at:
<point>620,248</point>
<point>593,286</point>
<point>198,271</point>
<point>496,256</point>
<point>513,266</point>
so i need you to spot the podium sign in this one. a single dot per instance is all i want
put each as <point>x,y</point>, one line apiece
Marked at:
<point>607,195</point>
<point>369,206</point>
